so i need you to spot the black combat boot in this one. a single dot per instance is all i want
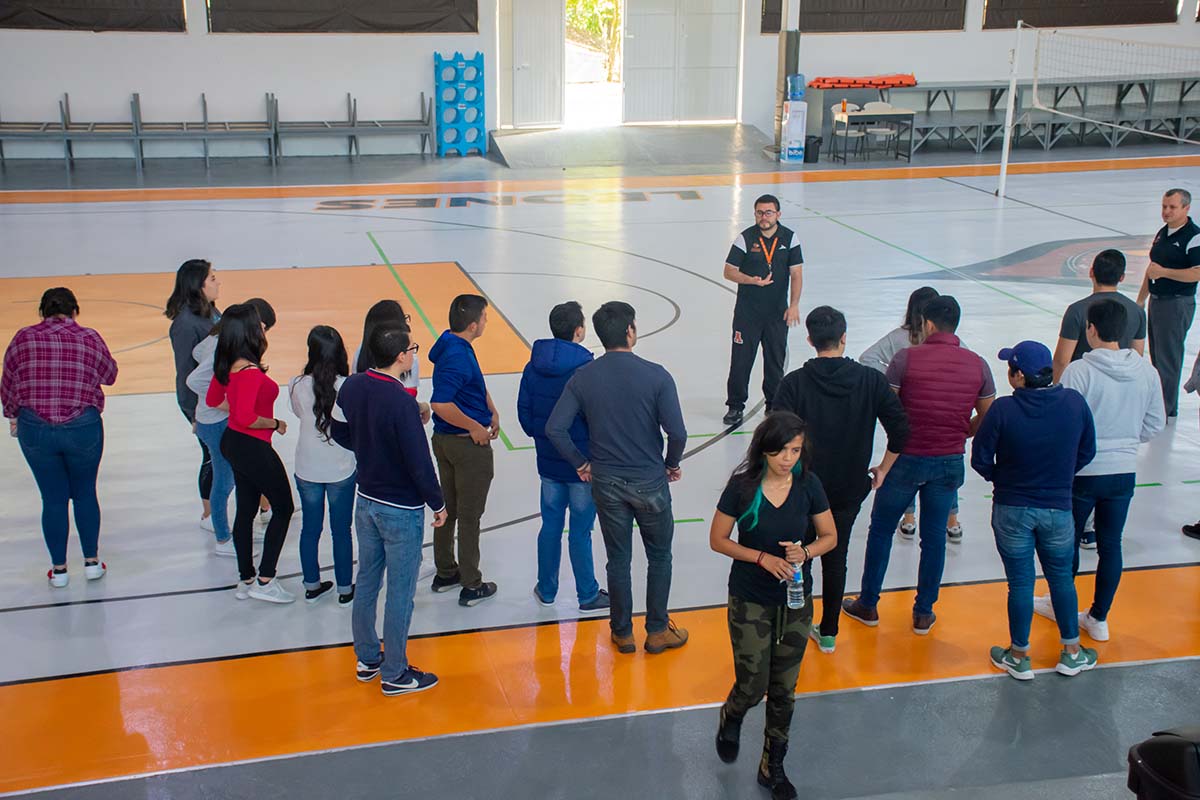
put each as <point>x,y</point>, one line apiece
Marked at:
<point>770,770</point>
<point>729,736</point>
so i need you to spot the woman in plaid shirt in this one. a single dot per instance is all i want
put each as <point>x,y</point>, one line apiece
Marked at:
<point>51,395</point>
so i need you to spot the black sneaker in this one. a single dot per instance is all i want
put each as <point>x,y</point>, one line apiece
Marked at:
<point>413,680</point>
<point>473,597</point>
<point>365,672</point>
<point>441,584</point>
<point>732,417</point>
<point>1192,531</point>
<point>346,600</point>
<point>600,603</point>
<point>313,595</point>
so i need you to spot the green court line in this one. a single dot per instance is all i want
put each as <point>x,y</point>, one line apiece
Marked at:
<point>403,285</point>
<point>931,262</point>
<point>509,445</point>
<point>1144,485</point>
<point>1190,482</point>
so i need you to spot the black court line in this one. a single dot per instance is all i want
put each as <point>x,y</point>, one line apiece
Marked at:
<point>489,629</point>
<point>1039,208</point>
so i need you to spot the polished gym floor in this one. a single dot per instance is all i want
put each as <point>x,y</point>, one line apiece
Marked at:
<point>156,682</point>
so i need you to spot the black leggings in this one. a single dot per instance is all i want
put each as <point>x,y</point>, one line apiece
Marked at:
<point>257,472</point>
<point>833,570</point>
<point>204,481</point>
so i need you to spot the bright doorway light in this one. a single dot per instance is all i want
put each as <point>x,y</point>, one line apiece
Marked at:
<point>593,64</point>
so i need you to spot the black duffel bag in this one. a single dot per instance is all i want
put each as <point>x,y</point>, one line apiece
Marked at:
<point>1166,766</point>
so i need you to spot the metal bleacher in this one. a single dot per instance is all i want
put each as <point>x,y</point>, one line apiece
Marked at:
<point>270,130</point>
<point>1164,104</point>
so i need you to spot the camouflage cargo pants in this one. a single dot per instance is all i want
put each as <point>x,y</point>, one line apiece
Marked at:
<point>768,646</point>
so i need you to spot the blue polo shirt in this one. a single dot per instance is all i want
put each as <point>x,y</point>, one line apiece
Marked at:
<point>458,379</point>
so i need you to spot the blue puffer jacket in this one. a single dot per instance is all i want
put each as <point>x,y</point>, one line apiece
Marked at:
<point>551,365</point>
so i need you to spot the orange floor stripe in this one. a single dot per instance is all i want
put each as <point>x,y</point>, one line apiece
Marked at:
<point>626,182</point>
<point>127,311</point>
<point>126,723</point>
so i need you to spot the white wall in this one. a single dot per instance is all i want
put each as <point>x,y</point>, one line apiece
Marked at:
<point>309,73</point>
<point>970,54</point>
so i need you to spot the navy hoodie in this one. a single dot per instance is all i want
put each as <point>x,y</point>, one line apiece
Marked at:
<point>383,428</point>
<point>458,379</point>
<point>1030,446</point>
<point>551,365</point>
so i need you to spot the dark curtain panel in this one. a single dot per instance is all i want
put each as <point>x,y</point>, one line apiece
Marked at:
<point>841,16</point>
<point>1064,13</point>
<point>343,16</point>
<point>93,15</point>
<point>772,16</point>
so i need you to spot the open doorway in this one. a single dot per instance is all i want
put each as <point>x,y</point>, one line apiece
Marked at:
<point>593,64</point>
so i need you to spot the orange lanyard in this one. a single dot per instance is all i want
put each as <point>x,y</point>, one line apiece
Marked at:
<point>770,254</point>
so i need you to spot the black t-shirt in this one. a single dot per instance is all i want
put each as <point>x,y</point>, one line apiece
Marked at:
<point>1180,250</point>
<point>749,254</point>
<point>1074,322</point>
<point>791,522</point>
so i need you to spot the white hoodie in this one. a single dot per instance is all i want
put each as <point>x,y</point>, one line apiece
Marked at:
<point>1125,395</point>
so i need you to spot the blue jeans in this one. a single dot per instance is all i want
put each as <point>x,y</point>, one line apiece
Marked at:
<point>65,460</point>
<point>1050,533</point>
<point>912,507</point>
<point>222,477</point>
<point>557,497</point>
<point>312,522</point>
<point>618,504</point>
<point>1109,496</point>
<point>935,479</point>
<point>389,539</point>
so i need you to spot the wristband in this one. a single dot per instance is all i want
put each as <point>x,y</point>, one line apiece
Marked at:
<point>758,561</point>
<point>276,419</point>
<point>807,557</point>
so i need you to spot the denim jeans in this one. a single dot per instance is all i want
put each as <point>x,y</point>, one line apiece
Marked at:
<point>1109,496</point>
<point>618,504</point>
<point>389,540</point>
<point>935,479</point>
<point>912,507</point>
<point>1020,532</point>
<point>557,497</point>
<point>312,522</point>
<point>65,460</point>
<point>222,476</point>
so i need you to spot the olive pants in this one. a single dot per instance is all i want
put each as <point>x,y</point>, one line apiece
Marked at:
<point>768,646</point>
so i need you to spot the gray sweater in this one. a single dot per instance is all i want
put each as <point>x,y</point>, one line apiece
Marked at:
<point>627,403</point>
<point>187,330</point>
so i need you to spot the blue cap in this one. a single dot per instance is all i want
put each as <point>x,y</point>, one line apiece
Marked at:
<point>1029,357</point>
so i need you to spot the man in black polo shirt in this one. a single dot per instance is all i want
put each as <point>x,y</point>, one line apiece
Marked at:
<point>763,261</point>
<point>1107,272</point>
<point>1171,283</point>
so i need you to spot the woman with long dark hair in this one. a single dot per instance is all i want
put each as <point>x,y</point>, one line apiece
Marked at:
<point>910,333</point>
<point>240,382</point>
<point>193,312</point>
<point>783,522</point>
<point>325,471</point>
<point>51,395</point>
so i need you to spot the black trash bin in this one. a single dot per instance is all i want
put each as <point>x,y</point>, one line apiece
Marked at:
<point>812,149</point>
<point>1166,766</point>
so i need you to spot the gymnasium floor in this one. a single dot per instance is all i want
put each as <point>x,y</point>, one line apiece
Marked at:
<point>158,671</point>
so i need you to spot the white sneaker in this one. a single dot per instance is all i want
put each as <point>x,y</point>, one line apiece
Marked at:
<point>1043,607</point>
<point>225,548</point>
<point>1096,630</point>
<point>261,521</point>
<point>206,523</point>
<point>58,580</point>
<point>94,572</point>
<point>272,592</point>
<point>242,591</point>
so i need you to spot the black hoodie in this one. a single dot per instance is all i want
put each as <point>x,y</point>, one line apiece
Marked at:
<point>840,400</point>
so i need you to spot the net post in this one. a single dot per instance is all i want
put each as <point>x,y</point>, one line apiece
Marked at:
<point>1010,111</point>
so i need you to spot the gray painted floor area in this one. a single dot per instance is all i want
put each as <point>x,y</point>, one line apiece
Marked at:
<point>992,738</point>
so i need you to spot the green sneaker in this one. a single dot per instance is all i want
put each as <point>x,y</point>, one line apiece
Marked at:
<point>1082,661</point>
<point>1019,668</point>
<point>824,643</point>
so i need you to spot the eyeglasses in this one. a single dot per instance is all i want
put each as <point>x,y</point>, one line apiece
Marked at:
<point>413,349</point>
<point>408,317</point>
<point>767,213</point>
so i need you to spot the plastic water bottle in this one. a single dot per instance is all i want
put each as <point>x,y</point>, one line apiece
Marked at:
<point>795,588</point>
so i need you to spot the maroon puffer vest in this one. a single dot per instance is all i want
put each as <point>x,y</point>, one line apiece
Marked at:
<point>939,389</point>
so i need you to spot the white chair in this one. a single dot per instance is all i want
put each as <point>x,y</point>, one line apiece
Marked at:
<point>888,133</point>
<point>850,132</point>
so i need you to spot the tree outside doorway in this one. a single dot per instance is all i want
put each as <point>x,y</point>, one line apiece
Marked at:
<point>593,63</point>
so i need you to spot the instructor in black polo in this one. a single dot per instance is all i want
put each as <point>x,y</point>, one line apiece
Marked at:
<point>1171,284</point>
<point>766,263</point>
